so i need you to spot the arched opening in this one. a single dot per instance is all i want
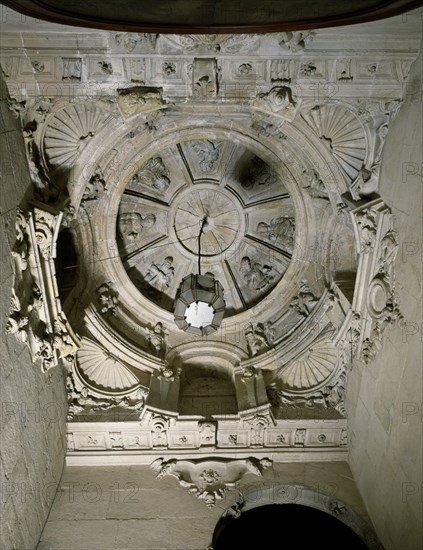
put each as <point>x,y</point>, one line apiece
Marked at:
<point>206,391</point>
<point>66,263</point>
<point>277,526</point>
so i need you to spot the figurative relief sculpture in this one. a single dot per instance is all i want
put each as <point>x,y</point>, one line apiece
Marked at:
<point>153,175</point>
<point>279,230</point>
<point>258,174</point>
<point>208,153</point>
<point>160,275</point>
<point>131,225</point>
<point>256,276</point>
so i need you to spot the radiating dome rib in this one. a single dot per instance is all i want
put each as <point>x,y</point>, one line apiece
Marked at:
<point>102,369</point>
<point>311,367</point>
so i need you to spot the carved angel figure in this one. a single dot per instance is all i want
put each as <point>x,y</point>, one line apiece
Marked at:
<point>295,41</point>
<point>131,224</point>
<point>82,402</point>
<point>367,224</point>
<point>259,173</point>
<point>208,152</point>
<point>157,339</point>
<point>160,275</point>
<point>256,276</point>
<point>304,302</point>
<point>94,187</point>
<point>259,338</point>
<point>153,174</point>
<point>279,229</point>
<point>314,185</point>
<point>108,298</point>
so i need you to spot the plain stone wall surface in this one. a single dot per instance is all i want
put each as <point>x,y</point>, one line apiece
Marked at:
<point>385,397</point>
<point>126,507</point>
<point>33,405</point>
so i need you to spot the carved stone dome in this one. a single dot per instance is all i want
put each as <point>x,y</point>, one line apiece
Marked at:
<point>243,204</point>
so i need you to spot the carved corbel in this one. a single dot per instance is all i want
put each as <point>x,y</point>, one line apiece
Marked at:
<point>209,480</point>
<point>280,101</point>
<point>139,100</point>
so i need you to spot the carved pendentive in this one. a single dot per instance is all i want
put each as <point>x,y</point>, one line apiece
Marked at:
<point>209,480</point>
<point>103,369</point>
<point>341,131</point>
<point>87,400</point>
<point>69,131</point>
<point>312,366</point>
<point>329,397</point>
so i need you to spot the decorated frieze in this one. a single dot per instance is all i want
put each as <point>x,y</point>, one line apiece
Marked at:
<point>224,436</point>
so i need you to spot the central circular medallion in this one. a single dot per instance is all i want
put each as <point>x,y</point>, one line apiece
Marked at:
<point>212,209</point>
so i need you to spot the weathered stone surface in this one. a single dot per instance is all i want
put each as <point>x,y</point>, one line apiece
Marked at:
<point>272,157</point>
<point>32,403</point>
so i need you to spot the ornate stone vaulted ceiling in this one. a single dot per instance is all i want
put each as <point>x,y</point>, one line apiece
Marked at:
<point>132,141</point>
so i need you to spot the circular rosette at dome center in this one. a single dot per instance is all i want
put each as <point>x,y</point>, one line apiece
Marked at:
<point>199,305</point>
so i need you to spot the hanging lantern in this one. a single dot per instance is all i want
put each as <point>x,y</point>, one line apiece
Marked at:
<point>199,305</point>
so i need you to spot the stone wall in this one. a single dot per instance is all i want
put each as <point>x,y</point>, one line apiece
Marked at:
<point>385,396</point>
<point>119,507</point>
<point>33,405</point>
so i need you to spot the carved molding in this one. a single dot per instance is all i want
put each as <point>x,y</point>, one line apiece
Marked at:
<point>375,304</point>
<point>268,494</point>
<point>256,430</point>
<point>36,316</point>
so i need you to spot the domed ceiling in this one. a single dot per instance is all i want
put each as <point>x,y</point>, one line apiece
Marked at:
<point>199,153</point>
<point>248,238</point>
